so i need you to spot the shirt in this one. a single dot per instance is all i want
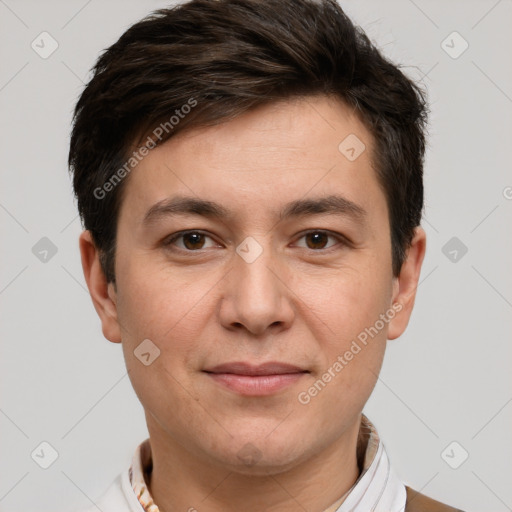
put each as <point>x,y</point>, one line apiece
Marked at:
<point>377,488</point>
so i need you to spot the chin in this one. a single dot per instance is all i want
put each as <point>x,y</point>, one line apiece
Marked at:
<point>262,455</point>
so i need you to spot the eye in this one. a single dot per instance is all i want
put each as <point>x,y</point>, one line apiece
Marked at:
<point>191,240</point>
<point>194,240</point>
<point>318,239</point>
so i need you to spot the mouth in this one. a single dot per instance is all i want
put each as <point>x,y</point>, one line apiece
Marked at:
<point>256,380</point>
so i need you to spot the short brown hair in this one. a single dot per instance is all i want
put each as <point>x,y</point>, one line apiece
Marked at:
<point>229,56</point>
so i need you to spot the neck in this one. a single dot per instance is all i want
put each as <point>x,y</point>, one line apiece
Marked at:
<point>181,480</point>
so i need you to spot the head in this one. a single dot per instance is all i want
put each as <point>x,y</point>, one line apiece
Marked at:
<point>249,177</point>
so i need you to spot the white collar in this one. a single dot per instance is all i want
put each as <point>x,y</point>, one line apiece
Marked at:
<point>377,489</point>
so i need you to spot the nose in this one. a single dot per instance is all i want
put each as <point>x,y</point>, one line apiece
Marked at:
<point>255,295</point>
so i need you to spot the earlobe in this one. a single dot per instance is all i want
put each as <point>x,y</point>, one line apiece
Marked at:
<point>405,285</point>
<point>103,294</point>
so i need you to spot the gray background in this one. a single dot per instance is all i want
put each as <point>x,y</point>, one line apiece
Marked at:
<point>446,379</point>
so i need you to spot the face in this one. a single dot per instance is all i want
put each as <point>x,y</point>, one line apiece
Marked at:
<point>267,312</point>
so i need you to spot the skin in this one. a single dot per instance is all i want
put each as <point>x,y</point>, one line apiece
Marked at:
<point>302,301</point>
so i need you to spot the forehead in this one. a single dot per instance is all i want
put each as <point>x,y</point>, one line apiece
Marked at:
<point>269,156</point>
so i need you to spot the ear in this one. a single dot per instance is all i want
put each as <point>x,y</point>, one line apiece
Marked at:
<point>103,294</point>
<point>405,285</point>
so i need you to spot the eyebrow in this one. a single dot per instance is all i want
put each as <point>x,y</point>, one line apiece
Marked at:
<point>184,205</point>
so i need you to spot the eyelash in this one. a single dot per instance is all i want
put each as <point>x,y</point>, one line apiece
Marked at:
<point>340,238</point>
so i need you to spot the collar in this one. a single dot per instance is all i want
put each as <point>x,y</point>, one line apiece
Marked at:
<point>376,490</point>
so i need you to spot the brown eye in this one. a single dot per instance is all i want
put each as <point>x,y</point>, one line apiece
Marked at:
<point>190,241</point>
<point>193,240</point>
<point>318,240</point>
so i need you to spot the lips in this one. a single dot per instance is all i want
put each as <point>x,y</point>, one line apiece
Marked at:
<point>242,368</point>
<point>256,380</point>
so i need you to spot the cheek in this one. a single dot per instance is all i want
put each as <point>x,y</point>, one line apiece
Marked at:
<point>166,395</point>
<point>352,352</point>
<point>156,302</point>
<point>163,308</point>
<point>348,302</point>
<point>350,334</point>
<point>157,306</point>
